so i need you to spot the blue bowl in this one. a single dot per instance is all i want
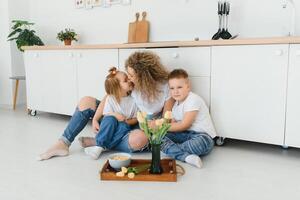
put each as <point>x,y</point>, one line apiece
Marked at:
<point>118,160</point>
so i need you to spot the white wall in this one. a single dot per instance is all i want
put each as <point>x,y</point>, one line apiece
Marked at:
<point>5,62</point>
<point>170,19</point>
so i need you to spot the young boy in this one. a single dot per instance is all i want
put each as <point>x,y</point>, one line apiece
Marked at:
<point>192,131</point>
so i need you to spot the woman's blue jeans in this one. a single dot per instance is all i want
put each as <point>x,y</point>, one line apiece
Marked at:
<point>179,145</point>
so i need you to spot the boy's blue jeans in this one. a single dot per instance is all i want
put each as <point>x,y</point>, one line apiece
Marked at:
<point>112,134</point>
<point>179,145</point>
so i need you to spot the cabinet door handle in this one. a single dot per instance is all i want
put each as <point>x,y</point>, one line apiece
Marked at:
<point>36,55</point>
<point>71,55</point>
<point>175,55</point>
<point>278,52</point>
<point>80,55</point>
<point>298,53</point>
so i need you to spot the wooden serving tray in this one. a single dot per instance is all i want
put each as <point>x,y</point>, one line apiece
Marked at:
<point>168,165</point>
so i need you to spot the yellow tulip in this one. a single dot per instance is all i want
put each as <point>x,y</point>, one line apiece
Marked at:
<point>168,115</point>
<point>159,122</point>
<point>131,175</point>
<point>140,117</point>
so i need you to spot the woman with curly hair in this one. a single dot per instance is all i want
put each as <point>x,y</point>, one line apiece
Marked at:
<point>150,93</point>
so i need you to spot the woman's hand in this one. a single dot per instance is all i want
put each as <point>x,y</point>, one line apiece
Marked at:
<point>96,126</point>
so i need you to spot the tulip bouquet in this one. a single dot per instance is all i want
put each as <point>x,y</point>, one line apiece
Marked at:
<point>155,130</point>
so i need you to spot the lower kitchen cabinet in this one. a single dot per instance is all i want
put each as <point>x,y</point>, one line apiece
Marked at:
<point>292,133</point>
<point>51,81</point>
<point>248,92</point>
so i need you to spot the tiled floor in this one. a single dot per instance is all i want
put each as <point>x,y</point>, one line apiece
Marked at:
<point>238,170</point>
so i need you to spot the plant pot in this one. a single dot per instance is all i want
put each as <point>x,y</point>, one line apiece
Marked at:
<point>155,167</point>
<point>68,42</point>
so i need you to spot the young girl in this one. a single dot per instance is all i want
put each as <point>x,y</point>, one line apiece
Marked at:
<point>119,113</point>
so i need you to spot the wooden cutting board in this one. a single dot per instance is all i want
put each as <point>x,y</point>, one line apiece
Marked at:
<point>142,29</point>
<point>132,29</point>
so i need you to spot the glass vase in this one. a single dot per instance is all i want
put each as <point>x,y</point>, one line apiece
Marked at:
<point>155,167</point>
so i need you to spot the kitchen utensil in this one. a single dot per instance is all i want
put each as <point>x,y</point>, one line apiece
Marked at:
<point>132,29</point>
<point>216,36</point>
<point>142,29</point>
<point>226,35</point>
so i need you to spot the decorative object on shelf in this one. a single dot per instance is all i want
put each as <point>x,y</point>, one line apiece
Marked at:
<point>23,35</point>
<point>67,35</point>
<point>138,31</point>
<point>223,12</point>
<point>155,130</point>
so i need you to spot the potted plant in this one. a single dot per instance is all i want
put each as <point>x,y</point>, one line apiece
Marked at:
<point>23,35</point>
<point>67,35</point>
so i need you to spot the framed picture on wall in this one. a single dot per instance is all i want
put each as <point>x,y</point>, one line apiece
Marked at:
<point>79,3</point>
<point>113,1</point>
<point>89,4</point>
<point>97,3</point>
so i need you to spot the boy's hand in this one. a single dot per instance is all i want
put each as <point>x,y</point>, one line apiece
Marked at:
<point>96,126</point>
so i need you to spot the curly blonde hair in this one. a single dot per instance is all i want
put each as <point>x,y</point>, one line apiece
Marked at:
<point>149,71</point>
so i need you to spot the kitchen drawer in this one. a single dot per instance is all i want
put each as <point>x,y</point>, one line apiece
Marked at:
<point>195,60</point>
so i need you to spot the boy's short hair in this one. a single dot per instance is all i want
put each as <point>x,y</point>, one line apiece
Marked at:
<point>178,73</point>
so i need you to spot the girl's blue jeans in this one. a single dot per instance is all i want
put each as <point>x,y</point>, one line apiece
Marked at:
<point>112,134</point>
<point>179,145</point>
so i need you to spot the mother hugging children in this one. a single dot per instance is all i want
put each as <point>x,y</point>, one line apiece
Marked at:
<point>144,88</point>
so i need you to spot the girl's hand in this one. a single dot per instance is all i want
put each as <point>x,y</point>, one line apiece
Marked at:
<point>96,126</point>
<point>118,116</point>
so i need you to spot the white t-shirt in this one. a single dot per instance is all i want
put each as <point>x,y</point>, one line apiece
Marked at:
<point>127,106</point>
<point>155,107</point>
<point>203,122</point>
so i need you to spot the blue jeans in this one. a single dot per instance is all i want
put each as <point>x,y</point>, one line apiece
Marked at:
<point>179,145</point>
<point>78,121</point>
<point>111,133</point>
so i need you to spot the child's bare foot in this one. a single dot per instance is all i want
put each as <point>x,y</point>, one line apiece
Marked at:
<point>87,141</point>
<point>58,149</point>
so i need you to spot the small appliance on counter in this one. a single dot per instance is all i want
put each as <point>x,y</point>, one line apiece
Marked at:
<point>223,12</point>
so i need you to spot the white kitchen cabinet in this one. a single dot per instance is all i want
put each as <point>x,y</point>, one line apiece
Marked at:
<point>292,133</point>
<point>195,60</point>
<point>93,66</point>
<point>248,92</point>
<point>51,81</point>
<point>56,80</point>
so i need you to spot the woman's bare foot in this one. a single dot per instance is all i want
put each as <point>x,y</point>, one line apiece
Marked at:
<point>58,149</point>
<point>87,141</point>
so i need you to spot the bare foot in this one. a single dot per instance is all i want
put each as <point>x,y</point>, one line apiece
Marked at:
<point>58,149</point>
<point>87,141</point>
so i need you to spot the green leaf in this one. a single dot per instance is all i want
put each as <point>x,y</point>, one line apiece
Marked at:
<point>23,35</point>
